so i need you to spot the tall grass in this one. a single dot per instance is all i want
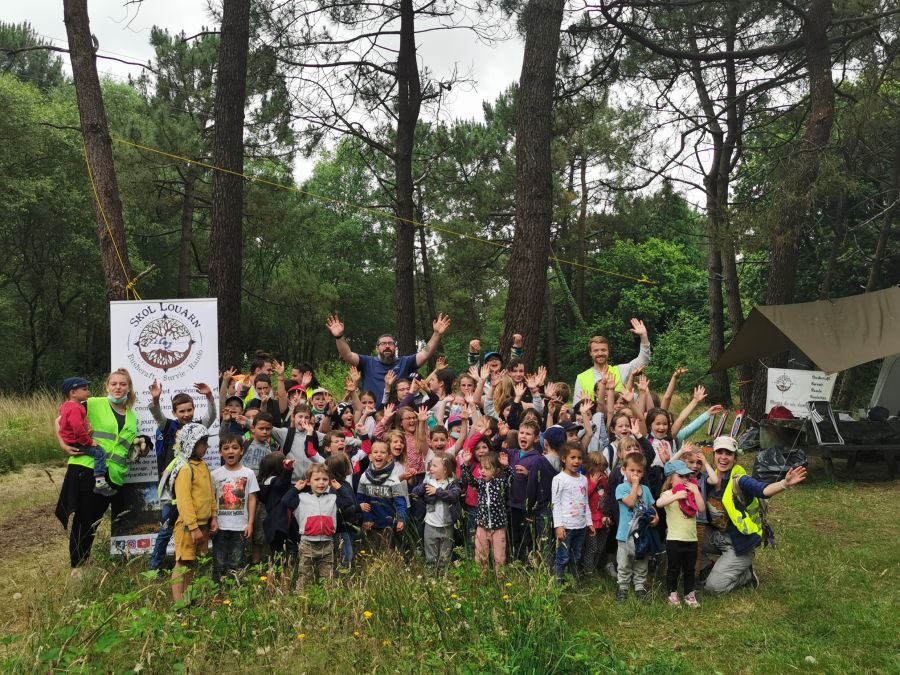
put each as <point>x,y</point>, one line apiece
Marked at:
<point>386,616</point>
<point>27,433</point>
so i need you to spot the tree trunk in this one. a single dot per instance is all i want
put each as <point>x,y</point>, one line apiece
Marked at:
<point>98,144</point>
<point>226,236</point>
<point>837,245</point>
<point>719,388</point>
<point>800,174</point>
<point>187,234</point>
<point>552,342</point>
<point>426,278</point>
<point>409,102</point>
<point>527,270</point>
<point>580,244</point>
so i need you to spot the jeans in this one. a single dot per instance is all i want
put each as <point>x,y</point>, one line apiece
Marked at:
<point>344,543</point>
<point>99,457</point>
<point>568,553</point>
<point>228,552</point>
<point>167,517</point>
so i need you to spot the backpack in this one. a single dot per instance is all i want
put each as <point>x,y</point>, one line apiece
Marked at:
<point>164,439</point>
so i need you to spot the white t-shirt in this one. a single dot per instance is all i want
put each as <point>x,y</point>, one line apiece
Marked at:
<point>438,514</point>
<point>233,487</point>
<point>570,501</point>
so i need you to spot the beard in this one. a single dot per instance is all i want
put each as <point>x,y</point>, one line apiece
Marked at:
<point>387,358</point>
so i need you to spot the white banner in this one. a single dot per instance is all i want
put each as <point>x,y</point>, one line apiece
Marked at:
<point>794,388</point>
<point>175,342</point>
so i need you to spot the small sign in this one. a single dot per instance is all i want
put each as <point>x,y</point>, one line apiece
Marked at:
<point>794,388</point>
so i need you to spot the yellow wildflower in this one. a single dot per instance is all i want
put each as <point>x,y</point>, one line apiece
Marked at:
<point>506,597</point>
<point>356,633</point>
<point>454,596</point>
<point>226,602</point>
<point>301,636</point>
<point>386,643</point>
<point>184,624</point>
<point>508,584</point>
<point>367,615</point>
<point>264,578</point>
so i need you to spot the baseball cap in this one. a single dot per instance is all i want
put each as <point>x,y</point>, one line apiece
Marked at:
<point>571,426</point>
<point>320,390</point>
<point>726,443</point>
<point>493,355</point>
<point>297,387</point>
<point>555,436</point>
<point>236,399</point>
<point>71,383</point>
<point>676,466</point>
<point>453,419</point>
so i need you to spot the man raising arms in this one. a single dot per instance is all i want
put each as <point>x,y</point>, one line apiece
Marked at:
<point>598,347</point>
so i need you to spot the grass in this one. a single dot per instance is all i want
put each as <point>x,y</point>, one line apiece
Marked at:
<point>828,592</point>
<point>26,431</point>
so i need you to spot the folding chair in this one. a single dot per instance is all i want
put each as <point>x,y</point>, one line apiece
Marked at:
<point>823,423</point>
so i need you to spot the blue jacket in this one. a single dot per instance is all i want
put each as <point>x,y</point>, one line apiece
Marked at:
<point>531,493</point>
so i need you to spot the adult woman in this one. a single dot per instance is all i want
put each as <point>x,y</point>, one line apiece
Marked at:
<point>735,525</point>
<point>113,428</point>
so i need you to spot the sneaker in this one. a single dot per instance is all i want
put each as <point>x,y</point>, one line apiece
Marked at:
<point>691,600</point>
<point>611,570</point>
<point>754,580</point>
<point>641,594</point>
<point>101,487</point>
<point>675,601</point>
<point>621,595</point>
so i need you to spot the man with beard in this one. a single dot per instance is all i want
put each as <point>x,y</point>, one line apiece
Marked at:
<point>374,368</point>
<point>598,348</point>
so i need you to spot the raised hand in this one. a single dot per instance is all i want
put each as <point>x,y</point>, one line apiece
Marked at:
<point>155,389</point>
<point>278,367</point>
<point>638,328</point>
<point>474,347</point>
<point>467,456</point>
<point>229,374</point>
<point>305,379</point>
<point>389,411</point>
<point>635,427</point>
<point>550,391</point>
<point>643,383</point>
<point>354,374</point>
<point>699,393</point>
<point>519,390</point>
<point>440,324</point>
<point>585,409</point>
<point>504,459</point>
<point>440,364</point>
<point>532,381</point>
<point>473,372</point>
<point>716,409</point>
<point>795,475</point>
<point>295,398</point>
<point>609,381</point>
<point>203,389</point>
<point>485,373</point>
<point>389,378</point>
<point>502,428</point>
<point>517,340</point>
<point>335,325</point>
<point>349,385</point>
<point>679,372</point>
<point>423,413</point>
<point>542,375</point>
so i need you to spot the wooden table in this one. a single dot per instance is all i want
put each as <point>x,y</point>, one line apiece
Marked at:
<point>863,436</point>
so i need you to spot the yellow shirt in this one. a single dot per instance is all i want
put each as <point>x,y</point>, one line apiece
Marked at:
<point>195,495</point>
<point>680,527</point>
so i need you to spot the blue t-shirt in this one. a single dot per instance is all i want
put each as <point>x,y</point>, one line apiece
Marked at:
<point>626,513</point>
<point>373,372</point>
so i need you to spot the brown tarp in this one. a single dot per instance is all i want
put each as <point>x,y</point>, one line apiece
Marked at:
<point>834,334</point>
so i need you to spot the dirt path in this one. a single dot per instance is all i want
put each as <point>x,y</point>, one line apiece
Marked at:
<point>32,528</point>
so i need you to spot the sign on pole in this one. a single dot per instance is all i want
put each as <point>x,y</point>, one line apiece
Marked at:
<point>176,343</point>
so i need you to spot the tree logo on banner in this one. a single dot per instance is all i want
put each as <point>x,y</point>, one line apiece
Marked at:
<point>165,342</point>
<point>165,336</point>
<point>784,383</point>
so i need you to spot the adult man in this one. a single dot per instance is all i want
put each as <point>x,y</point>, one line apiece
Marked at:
<point>735,525</point>
<point>598,348</point>
<point>375,368</point>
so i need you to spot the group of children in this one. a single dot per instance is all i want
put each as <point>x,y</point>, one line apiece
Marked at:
<point>495,462</point>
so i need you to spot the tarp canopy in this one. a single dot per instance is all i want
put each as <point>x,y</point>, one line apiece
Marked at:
<point>834,334</point>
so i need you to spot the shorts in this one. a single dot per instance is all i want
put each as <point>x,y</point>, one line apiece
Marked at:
<point>185,549</point>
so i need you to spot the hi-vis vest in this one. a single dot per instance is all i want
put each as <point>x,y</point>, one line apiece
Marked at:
<point>587,381</point>
<point>749,521</point>
<point>115,445</point>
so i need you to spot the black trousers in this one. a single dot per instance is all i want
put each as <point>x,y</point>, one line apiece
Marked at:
<point>89,510</point>
<point>682,557</point>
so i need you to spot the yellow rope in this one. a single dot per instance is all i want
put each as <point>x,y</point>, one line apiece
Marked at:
<point>368,209</point>
<point>130,286</point>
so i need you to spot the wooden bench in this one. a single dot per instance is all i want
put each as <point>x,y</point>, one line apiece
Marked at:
<point>859,437</point>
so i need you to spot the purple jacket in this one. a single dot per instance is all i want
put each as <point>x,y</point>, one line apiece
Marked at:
<point>531,493</point>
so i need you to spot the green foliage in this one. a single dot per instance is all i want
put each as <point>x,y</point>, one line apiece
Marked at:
<point>41,67</point>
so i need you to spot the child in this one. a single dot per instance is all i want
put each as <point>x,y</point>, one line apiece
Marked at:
<point>705,476</point>
<point>630,494</point>
<point>255,449</point>
<point>441,490</point>
<point>300,442</point>
<point>571,512</point>
<point>491,519</point>
<point>75,430</point>
<point>382,498</point>
<point>275,472</point>
<point>478,444</point>
<point>316,513</point>
<point>529,494</point>
<point>166,433</point>
<point>236,492</point>
<point>682,500</point>
<point>195,498</point>
<point>232,409</point>
<point>338,465</point>
<point>594,546</point>
<point>554,438</point>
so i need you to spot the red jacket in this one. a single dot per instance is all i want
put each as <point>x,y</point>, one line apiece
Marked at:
<point>73,424</point>
<point>595,500</point>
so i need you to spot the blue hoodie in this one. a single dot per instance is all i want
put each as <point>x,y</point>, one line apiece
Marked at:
<point>386,493</point>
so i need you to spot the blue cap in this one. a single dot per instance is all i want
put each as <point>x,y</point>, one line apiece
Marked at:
<point>71,383</point>
<point>493,355</point>
<point>555,436</point>
<point>676,466</point>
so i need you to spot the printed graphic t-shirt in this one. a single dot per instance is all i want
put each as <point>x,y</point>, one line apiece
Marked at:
<point>232,491</point>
